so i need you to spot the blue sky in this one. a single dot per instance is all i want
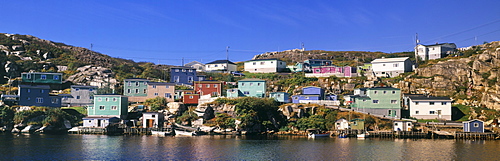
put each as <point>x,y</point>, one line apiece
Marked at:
<point>167,31</point>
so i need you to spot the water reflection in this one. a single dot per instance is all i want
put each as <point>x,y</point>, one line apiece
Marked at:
<point>220,147</point>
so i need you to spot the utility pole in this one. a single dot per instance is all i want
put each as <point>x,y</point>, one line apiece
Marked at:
<point>416,48</point>
<point>227,59</point>
<point>91,45</point>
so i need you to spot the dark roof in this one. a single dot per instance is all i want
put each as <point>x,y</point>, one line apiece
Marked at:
<point>221,62</point>
<point>181,67</point>
<point>428,98</point>
<point>136,79</point>
<point>264,59</point>
<point>161,83</point>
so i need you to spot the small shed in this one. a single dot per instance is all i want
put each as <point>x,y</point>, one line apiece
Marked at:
<point>99,121</point>
<point>152,119</point>
<point>473,126</point>
<point>342,124</point>
<point>357,124</point>
<point>402,125</point>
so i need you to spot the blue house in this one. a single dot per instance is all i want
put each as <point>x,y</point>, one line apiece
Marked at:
<point>280,96</point>
<point>473,126</point>
<point>183,75</point>
<point>309,93</point>
<point>37,95</point>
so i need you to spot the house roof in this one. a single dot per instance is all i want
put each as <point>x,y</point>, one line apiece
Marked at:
<point>388,88</point>
<point>41,73</point>
<point>80,86</point>
<point>319,59</point>
<point>161,83</point>
<point>193,63</point>
<point>207,81</point>
<point>136,79</point>
<point>264,60</point>
<point>472,121</point>
<point>438,44</point>
<point>221,62</point>
<point>34,86</point>
<point>428,98</point>
<point>386,60</point>
<point>251,80</point>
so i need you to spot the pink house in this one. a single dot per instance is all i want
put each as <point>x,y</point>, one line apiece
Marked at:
<point>327,71</point>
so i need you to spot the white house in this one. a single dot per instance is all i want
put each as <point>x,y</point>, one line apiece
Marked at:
<point>265,66</point>
<point>341,124</point>
<point>402,125</point>
<point>220,65</point>
<point>391,67</point>
<point>428,107</point>
<point>200,67</point>
<point>435,51</point>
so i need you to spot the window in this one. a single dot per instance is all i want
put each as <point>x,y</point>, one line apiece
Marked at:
<point>128,90</point>
<point>242,84</point>
<point>246,92</point>
<point>29,90</point>
<point>145,83</point>
<point>432,112</point>
<point>208,85</point>
<point>214,93</point>
<point>394,101</point>
<point>101,107</point>
<point>375,101</point>
<point>375,92</point>
<point>114,99</point>
<point>306,97</point>
<point>167,95</point>
<point>154,86</point>
<point>431,103</point>
<point>167,86</point>
<point>384,92</point>
<point>199,85</point>
<point>28,76</point>
<point>262,63</point>
<point>107,99</point>
<point>99,99</point>
<point>190,70</point>
<point>136,90</point>
<point>91,89</point>
<point>190,97</point>
<point>56,77</point>
<point>416,103</point>
<point>156,94</point>
<point>29,98</point>
<point>317,70</point>
<point>91,97</point>
<point>383,65</point>
<point>176,70</point>
<point>176,79</point>
<point>43,77</point>
<point>251,84</point>
<point>183,70</point>
<point>77,89</point>
<point>215,85</point>
<point>295,98</point>
<point>145,91</point>
<point>39,100</point>
<point>77,97</point>
<point>258,84</point>
<point>216,65</point>
<point>254,63</point>
<point>476,124</point>
<point>114,108</point>
<point>443,103</point>
<point>416,112</point>
<point>42,91</point>
<point>364,100</point>
<point>394,65</point>
<point>129,83</point>
<point>55,101</point>
<point>393,92</point>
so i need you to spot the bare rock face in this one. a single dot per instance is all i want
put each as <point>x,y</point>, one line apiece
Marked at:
<point>94,76</point>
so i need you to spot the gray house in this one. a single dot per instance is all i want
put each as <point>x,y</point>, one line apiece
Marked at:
<point>80,96</point>
<point>37,95</point>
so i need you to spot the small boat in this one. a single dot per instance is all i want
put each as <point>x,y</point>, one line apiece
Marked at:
<point>343,135</point>
<point>363,135</point>
<point>182,132</point>
<point>161,131</point>
<point>314,133</point>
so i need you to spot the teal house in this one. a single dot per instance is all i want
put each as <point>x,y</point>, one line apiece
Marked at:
<point>111,105</point>
<point>383,101</point>
<point>135,87</point>
<point>280,96</point>
<point>252,87</point>
<point>40,77</point>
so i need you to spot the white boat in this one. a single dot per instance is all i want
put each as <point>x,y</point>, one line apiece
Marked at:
<point>179,132</point>
<point>161,132</point>
<point>363,135</point>
<point>314,133</point>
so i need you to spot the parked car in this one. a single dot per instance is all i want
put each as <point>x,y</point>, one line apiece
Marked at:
<point>237,73</point>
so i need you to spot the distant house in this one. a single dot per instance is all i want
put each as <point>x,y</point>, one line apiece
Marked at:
<point>309,93</point>
<point>40,77</point>
<point>283,97</point>
<point>135,87</point>
<point>265,66</point>
<point>252,87</point>
<point>190,98</point>
<point>161,89</point>
<point>434,51</point>
<point>308,65</point>
<point>341,124</point>
<point>357,124</point>
<point>213,88</point>
<point>80,96</point>
<point>327,71</point>
<point>183,75</point>
<point>383,101</point>
<point>110,105</point>
<point>37,95</point>
<point>152,120</point>
<point>234,92</point>
<point>428,107</point>
<point>391,67</point>
<point>402,125</point>
<point>102,122</point>
<point>473,126</point>
<point>220,65</point>
<point>200,67</point>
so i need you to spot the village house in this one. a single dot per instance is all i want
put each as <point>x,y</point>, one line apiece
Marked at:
<point>341,124</point>
<point>161,89</point>
<point>282,97</point>
<point>316,95</point>
<point>80,96</point>
<point>308,65</point>
<point>37,95</point>
<point>184,75</point>
<point>383,101</point>
<point>152,119</point>
<point>265,66</point>
<point>209,87</point>
<point>428,107</point>
<point>190,98</point>
<point>109,105</point>
<point>327,71</point>
<point>249,88</point>
<point>434,51</point>
<point>391,67</point>
<point>41,77</point>
<point>357,124</point>
<point>220,65</point>
<point>136,89</point>
<point>402,125</point>
<point>473,126</point>
<point>200,67</point>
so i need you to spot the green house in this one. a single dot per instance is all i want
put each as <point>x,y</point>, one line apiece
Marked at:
<point>252,87</point>
<point>357,124</point>
<point>40,77</point>
<point>135,87</point>
<point>111,105</point>
<point>383,101</point>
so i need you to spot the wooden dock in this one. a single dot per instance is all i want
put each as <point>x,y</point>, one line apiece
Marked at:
<point>398,134</point>
<point>475,136</point>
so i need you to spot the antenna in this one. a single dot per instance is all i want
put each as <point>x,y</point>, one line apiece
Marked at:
<point>303,49</point>
<point>227,59</point>
<point>91,45</point>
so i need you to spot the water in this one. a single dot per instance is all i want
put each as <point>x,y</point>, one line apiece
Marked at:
<point>102,147</point>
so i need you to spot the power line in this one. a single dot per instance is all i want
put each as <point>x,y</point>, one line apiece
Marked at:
<point>456,33</point>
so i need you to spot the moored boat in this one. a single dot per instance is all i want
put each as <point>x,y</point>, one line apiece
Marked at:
<point>313,133</point>
<point>183,132</point>
<point>161,131</point>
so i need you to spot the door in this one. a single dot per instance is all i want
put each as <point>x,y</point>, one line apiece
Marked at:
<point>439,113</point>
<point>150,123</point>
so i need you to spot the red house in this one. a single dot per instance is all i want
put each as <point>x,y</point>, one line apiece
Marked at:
<point>214,88</point>
<point>190,98</point>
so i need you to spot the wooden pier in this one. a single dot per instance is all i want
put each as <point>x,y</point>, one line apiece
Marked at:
<point>475,136</point>
<point>398,134</point>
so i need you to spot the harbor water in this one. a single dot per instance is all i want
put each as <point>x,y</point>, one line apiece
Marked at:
<point>220,147</point>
